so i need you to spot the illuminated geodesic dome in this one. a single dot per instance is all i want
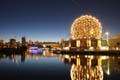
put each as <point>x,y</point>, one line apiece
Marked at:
<point>86,26</point>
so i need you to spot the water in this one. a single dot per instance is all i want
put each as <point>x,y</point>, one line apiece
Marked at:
<point>49,66</point>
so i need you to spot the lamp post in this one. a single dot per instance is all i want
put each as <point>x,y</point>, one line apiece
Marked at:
<point>107,37</point>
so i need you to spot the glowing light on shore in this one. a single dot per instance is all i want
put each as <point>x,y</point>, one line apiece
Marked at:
<point>35,50</point>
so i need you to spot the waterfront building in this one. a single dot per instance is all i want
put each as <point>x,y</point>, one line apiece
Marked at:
<point>18,44</point>
<point>114,43</point>
<point>12,43</point>
<point>50,44</point>
<point>1,43</point>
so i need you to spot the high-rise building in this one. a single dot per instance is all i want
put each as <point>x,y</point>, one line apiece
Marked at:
<point>23,41</point>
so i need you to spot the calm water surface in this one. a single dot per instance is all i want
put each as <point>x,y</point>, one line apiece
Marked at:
<point>49,66</point>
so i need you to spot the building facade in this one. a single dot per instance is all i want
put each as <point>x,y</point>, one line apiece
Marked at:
<point>81,44</point>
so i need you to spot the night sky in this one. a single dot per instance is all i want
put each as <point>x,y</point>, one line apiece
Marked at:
<point>50,20</point>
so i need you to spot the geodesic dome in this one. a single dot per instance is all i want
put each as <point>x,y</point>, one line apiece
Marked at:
<point>86,26</point>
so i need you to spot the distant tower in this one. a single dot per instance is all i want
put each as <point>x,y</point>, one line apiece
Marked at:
<point>23,41</point>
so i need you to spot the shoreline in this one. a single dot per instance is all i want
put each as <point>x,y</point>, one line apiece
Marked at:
<point>109,53</point>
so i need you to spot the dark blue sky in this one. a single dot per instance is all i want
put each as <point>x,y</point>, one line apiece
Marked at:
<point>50,20</point>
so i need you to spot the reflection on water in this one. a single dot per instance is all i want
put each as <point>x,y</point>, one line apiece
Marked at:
<point>59,66</point>
<point>86,73</point>
<point>27,66</point>
<point>13,57</point>
<point>27,55</point>
<point>90,67</point>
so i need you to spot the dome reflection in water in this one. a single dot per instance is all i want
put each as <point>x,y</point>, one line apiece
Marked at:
<point>84,67</point>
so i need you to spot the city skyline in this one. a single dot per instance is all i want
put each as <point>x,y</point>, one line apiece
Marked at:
<point>50,20</point>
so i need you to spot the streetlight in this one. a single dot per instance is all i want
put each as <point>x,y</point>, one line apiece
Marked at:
<point>107,37</point>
